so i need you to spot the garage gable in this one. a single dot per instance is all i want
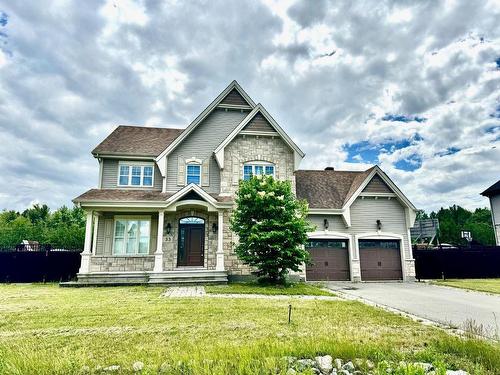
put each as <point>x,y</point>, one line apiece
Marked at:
<point>377,185</point>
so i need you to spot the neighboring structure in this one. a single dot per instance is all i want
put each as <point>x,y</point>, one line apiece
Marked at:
<point>493,193</point>
<point>161,211</point>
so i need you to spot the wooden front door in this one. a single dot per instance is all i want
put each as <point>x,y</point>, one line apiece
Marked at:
<point>191,245</point>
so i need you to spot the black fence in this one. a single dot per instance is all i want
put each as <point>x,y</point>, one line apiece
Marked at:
<point>38,263</point>
<point>459,263</point>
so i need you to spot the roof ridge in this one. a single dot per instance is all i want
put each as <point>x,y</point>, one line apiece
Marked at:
<point>147,127</point>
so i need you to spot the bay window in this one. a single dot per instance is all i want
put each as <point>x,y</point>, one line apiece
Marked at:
<point>132,174</point>
<point>131,236</point>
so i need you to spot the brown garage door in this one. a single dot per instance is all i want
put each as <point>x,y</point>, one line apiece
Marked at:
<point>380,260</point>
<point>329,260</point>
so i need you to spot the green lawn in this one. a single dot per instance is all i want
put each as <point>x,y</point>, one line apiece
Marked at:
<point>256,288</point>
<point>482,285</point>
<point>45,329</point>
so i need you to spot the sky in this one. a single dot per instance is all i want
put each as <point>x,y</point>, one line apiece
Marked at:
<point>411,86</point>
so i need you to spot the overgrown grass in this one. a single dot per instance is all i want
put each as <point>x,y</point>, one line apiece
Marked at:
<point>257,288</point>
<point>482,285</point>
<point>45,329</point>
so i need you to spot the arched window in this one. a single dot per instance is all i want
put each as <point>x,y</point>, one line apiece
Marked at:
<point>255,168</point>
<point>191,220</point>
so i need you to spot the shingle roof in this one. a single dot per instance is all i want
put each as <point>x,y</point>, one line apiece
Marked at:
<point>137,140</point>
<point>130,195</point>
<point>328,188</point>
<point>492,190</point>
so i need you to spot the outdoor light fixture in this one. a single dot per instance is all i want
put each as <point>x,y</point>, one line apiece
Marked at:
<point>169,228</point>
<point>214,228</point>
<point>326,224</point>
<point>379,224</point>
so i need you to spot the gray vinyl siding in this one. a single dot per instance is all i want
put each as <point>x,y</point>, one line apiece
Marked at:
<point>377,185</point>
<point>105,232</point>
<point>201,143</point>
<point>495,211</point>
<point>110,176</point>
<point>364,215</point>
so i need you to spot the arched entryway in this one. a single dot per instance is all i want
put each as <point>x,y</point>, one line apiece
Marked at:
<point>191,246</point>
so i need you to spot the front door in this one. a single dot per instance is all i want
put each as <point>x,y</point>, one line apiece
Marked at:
<point>191,242</point>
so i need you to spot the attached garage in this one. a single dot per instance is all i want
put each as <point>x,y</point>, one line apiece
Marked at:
<point>380,260</point>
<point>329,260</point>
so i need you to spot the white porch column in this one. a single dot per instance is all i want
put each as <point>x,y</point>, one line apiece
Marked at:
<point>86,254</point>
<point>94,239</point>
<point>220,243</point>
<point>158,267</point>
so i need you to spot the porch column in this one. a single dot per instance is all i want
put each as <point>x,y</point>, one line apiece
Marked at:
<point>219,266</point>
<point>94,239</point>
<point>86,254</point>
<point>158,267</point>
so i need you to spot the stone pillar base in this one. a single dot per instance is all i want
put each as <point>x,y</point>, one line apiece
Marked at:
<point>158,267</point>
<point>85,263</point>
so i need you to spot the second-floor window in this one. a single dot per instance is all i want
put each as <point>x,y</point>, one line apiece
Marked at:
<point>193,174</point>
<point>135,175</point>
<point>257,168</point>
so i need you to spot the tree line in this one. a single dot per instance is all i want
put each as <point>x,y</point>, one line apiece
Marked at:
<point>63,228</point>
<point>454,219</point>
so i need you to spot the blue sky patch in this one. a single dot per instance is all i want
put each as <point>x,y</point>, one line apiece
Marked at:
<point>411,163</point>
<point>492,129</point>
<point>498,63</point>
<point>3,19</point>
<point>448,151</point>
<point>403,118</point>
<point>367,152</point>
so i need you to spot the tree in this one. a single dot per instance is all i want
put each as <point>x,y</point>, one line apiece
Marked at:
<point>272,227</point>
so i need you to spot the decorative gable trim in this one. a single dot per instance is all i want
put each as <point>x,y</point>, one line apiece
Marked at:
<point>203,115</point>
<point>219,151</point>
<point>198,190</point>
<point>411,212</point>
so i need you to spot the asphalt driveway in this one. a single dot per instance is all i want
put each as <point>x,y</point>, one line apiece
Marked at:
<point>448,306</point>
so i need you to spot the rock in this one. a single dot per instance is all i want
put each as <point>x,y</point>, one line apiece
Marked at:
<point>325,363</point>
<point>138,366</point>
<point>303,364</point>
<point>424,366</point>
<point>369,364</point>
<point>457,372</point>
<point>112,368</point>
<point>85,370</point>
<point>338,363</point>
<point>349,366</point>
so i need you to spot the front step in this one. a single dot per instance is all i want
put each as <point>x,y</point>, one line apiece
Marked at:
<point>178,277</point>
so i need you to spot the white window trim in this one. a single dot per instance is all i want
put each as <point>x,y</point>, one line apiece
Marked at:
<point>259,163</point>
<point>130,218</point>
<point>131,164</point>
<point>193,162</point>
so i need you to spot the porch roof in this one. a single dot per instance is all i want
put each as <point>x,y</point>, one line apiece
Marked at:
<point>131,195</point>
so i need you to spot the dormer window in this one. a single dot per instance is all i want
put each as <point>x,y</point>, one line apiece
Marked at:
<point>257,168</point>
<point>193,174</point>
<point>135,174</point>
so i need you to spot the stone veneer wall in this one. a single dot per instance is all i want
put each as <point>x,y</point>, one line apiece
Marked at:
<point>247,148</point>
<point>170,241</point>
<point>121,263</point>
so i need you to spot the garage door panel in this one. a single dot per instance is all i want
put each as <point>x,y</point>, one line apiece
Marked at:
<point>329,261</point>
<point>380,260</point>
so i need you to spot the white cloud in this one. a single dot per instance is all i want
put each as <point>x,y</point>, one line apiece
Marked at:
<point>328,74</point>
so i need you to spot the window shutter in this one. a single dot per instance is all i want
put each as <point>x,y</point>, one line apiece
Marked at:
<point>108,236</point>
<point>205,166</point>
<point>236,171</point>
<point>181,171</point>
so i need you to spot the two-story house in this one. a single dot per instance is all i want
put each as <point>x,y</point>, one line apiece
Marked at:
<point>161,211</point>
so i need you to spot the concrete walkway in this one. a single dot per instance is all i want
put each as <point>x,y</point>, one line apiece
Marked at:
<point>453,307</point>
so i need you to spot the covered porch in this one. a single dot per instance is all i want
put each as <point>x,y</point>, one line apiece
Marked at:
<point>177,240</point>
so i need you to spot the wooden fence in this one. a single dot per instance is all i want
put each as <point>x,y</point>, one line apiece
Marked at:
<point>38,263</point>
<point>461,263</point>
